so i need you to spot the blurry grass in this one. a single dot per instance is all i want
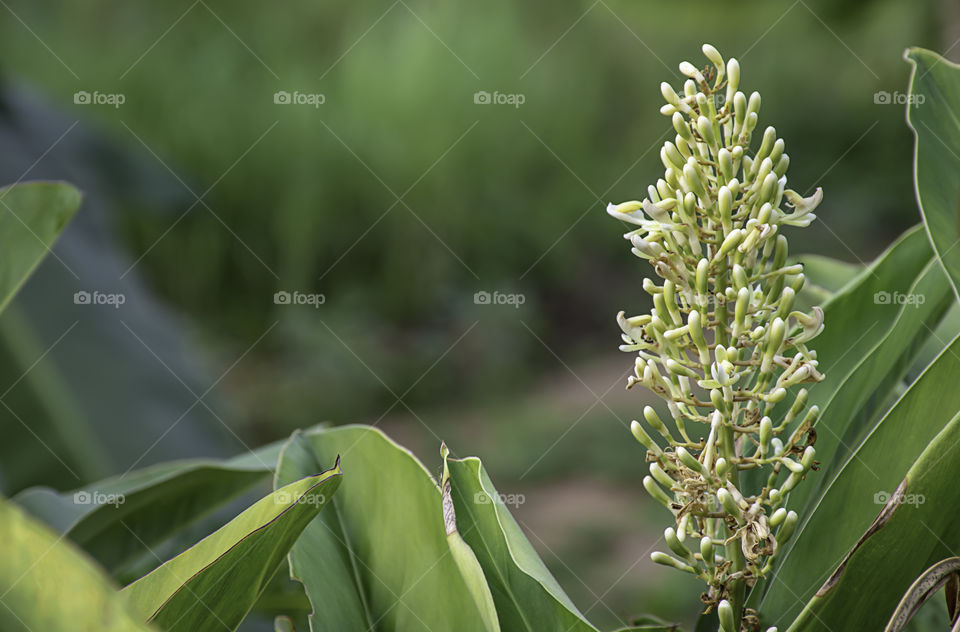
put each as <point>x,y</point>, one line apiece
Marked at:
<point>507,196</point>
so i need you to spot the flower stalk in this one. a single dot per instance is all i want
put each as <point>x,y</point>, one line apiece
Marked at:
<point>723,344</point>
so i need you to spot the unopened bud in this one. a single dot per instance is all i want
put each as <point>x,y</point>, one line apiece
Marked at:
<point>670,535</point>
<point>725,614</point>
<point>689,460</point>
<point>729,504</point>
<point>789,525</point>
<point>656,492</point>
<point>642,436</point>
<point>707,551</point>
<point>666,560</point>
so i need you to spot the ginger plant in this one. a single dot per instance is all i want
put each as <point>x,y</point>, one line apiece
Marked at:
<point>723,344</point>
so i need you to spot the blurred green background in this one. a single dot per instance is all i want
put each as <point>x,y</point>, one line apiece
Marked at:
<point>398,199</point>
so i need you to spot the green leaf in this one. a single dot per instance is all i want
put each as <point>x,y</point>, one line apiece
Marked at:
<point>850,504</point>
<point>916,528</point>
<point>933,113</point>
<point>31,218</point>
<point>48,584</point>
<point>526,594</point>
<point>120,519</point>
<point>378,558</point>
<point>853,409</point>
<point>215,583</point>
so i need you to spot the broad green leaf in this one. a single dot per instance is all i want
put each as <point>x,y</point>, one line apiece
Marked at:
<point>119,519</point>
<point>871,474</point>
<point>378,558</point>
<point>853,407</point>
<point>48,584</point>
<point>31,218</point>
<point>915,529</point>
<point>527,596</point>
<point>214,584</point>
<point>463,555</point>
<point>933,113</point>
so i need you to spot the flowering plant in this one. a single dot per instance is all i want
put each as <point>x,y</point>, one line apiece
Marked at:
<point>723,344</point>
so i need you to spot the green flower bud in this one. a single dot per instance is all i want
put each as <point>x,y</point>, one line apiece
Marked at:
<point>692,176</point>
<point>670,535</point>
<point>641,435</point>
<point>707,552</point>
<point>661,477</point>
<point>722,467</point>
<point>789,525</point>
<point>689,460</point>
<point>729,504</point>
<point>776,395</point>
<point>792,465</point>
<point>666,560</point>
<point>732,241</point>
<point>733,78</point>
<point>725,206</point>
<point>688,69</point>
<point>705,127</point>
<point>670,96</point>
<point>678,369</point>
<point>703,269</point>
<point>786,303</point>
<point>656,492</point>
<point>766,145</point>
<point>725,614</point>
<point>778,517</point>
<point>766,431</point>
<point>807,460</point>
<point>740,312</point>
<point>656,423</point>
<point>714,56</point>
<point>681,126</point>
